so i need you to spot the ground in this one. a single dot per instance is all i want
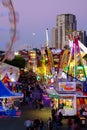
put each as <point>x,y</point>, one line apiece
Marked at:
<point>17,123</point>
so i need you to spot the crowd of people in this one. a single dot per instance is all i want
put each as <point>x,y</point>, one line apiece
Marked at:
<point>34,124</point>
<point>74,124</point>
<point>38,124</point>
<point>54,121</point>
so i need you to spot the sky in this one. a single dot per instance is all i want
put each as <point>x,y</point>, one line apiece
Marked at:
<point>34,17</point>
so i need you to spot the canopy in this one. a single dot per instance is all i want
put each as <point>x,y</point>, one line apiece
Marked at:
<point>6,93</point>
<point>11,71</point>
<point>52,93</point>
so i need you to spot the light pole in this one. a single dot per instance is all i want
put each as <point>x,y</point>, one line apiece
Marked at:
<point>33,34</point>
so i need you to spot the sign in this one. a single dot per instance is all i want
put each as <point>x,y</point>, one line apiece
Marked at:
<point>67,87</point>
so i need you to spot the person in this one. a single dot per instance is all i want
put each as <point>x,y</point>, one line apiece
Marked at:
<point>41,124</point>
<point>36,103</point>
<point>36,123</point>
<point>70,123</point>
<point>41,96</point>
<point>27,124</point>
<point>76,124</point>
<point>41,104</point>
<point>4,106</point>
<point>53,112</point>
<point>32,125</point>
<point>50,124</point>
<point>31,96</point>
<point>81,111</point>
<point>61,110</point>
<point>60,117</point>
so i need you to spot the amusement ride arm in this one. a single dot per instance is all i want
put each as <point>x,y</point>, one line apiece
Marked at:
<point>84,49</point>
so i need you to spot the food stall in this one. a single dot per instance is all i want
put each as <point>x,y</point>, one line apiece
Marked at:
<point>68,103</point>
<point>81,104</point>
<point>67,98</point>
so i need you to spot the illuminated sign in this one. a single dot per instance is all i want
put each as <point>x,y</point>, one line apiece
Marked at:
<point>67,87</point>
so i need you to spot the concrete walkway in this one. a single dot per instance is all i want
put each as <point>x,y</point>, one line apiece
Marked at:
<point>29,112</point>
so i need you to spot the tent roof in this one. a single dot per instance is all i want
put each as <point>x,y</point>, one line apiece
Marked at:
<point>6,93</point>
<point>11,71</point>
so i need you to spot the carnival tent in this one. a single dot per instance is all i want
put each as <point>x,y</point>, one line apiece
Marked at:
<point>11,71</point>
<point>6,93</point>
<point>6,79</point>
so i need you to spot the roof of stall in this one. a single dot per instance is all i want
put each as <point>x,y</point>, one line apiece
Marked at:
<point>52,93</point>
<point>6,93</point>
<point>11,71</point>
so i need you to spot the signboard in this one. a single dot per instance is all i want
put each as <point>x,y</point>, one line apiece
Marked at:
<point>67,87</point>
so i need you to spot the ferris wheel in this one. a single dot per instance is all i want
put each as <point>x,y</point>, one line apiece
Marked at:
<point>8,26</point>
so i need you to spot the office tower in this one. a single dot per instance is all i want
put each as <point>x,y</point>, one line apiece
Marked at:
<point>82,36</point>
<point>86,41</point>
<point>65,24</point>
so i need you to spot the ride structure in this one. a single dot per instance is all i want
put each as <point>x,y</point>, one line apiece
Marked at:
<point>70,65</point>
<point>49,53</point>
<point>46,63</point>
<point>13,18</point>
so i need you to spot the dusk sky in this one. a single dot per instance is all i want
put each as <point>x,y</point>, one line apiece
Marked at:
<point>37,15</point>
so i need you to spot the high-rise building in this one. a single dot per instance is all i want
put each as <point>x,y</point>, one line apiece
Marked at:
<point>82,36</point>
<point>65,24</point>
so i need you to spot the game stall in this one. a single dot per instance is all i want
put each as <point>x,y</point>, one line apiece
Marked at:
<point>7,98</point>
<point>72,98</point>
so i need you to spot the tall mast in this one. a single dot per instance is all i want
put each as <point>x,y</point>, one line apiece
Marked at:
<point>50,56</point>
<point>47,39</point>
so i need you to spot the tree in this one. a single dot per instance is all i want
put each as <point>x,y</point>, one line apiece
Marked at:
<point>18,61</point>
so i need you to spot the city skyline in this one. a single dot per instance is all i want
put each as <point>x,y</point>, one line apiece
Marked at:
<point>36,16</point>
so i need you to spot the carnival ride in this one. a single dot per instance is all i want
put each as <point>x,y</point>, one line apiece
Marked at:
<point>50,56</point>
<point>83,49</point>
<point>46,62</point>
<point>12,19</point>
<point>71,59</point>
<point>8,24</point>
<point>72,66</point>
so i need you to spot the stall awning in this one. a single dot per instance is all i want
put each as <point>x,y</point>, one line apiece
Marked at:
<point>6,93</point>
<point>11,71</point>
<point>52,93</point>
